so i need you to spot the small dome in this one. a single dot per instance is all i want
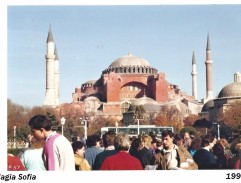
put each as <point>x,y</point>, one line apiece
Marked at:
<point>91,98</point>
<point>209,104</point>
<point>129,60</point>
<point>231,90</point>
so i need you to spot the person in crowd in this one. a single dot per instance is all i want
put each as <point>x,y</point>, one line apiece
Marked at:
<point>157,155</point>
<point>195,145</point>
<point>135,146</point>
<point>159,146</point>
<point>153,142</point>
<point>57,151</point>
<point>27,145</point>
<point>122,160</point>
<point>178,140</point>
<point>28,141</point>
<point>187,140</point>
<point>80,162</point>
<point>145,155</point>
<point>153,146</point>
<point>32,157</point>
<point>226,146</point>
<point>204,157</point>
<point>219,155</point>
<point>74,139</point>
<point>14,163</point>
<point>93,148</point>
<point>172,157</point>
<point>234,161</point>
<point>108,142</point>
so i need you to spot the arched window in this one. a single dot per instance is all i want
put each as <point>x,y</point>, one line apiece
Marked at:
<point>125,106</point>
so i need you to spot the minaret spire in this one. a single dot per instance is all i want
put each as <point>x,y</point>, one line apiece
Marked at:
<point>194,77</point>
<point>50,35</point>
<point>208,48</point>
<point>50,99</point>
<point>208,63</point>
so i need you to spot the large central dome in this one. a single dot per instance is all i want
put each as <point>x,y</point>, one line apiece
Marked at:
<point>129,60</point>
<point>130,64</point>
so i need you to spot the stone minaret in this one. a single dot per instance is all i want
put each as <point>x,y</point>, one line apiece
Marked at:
<point>194,77</point>
<point>208,63</point>
<point>56,76</point>
<point>50,70</point>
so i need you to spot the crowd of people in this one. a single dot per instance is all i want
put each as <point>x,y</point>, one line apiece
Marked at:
<point>49,150</point>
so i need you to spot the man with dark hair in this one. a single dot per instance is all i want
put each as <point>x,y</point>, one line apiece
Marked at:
<point>203,157</point>
<point>57,153</point>
<point>93,148</point>
<point>172,157</point>
<point>108,141</point>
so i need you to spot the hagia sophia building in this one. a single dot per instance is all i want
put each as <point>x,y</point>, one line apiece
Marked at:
<point>131,81</point>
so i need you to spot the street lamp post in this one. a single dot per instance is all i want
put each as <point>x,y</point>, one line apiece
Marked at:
<point>62,120</point>
<point>116,127</point>
<point>138,124</point>
<point>218,132</point>
<point>14,136</point>
<point>218,126</point>
<point>85,125</point>
<point>85,129</point>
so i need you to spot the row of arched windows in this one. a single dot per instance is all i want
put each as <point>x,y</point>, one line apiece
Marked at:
<point>130,88</point>
<point>131,69</point>
<point>128,95</point>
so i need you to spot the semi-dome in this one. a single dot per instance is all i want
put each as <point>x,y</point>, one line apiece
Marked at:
<point>130,60</point>
<point>177,107</point>
<point>231,90</point>
<point>144,100</point>
<point>148,104</point>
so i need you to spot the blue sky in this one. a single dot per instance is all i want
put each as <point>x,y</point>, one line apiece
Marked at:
<point>90,38</point>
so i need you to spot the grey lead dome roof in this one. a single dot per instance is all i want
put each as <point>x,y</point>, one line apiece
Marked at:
<point>231,90</point>
<point>129,60</point>
<point>209,104</point>
<point>144,100</point>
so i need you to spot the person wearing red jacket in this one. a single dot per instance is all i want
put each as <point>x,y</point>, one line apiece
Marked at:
<point>14,163</point>
<point>122,160</point>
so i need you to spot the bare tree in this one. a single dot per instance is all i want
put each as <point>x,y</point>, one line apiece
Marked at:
<point>231,116</point>
<point>190,120</point>
<point>167,117</point>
